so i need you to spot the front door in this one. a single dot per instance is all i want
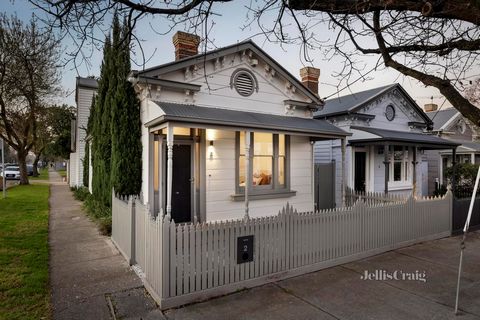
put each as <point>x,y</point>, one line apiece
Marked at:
<point>360,170</point>
<point>181,183</point>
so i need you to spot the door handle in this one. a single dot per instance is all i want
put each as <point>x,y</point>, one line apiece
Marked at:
<point>177,192</point>
<point>191,179</point>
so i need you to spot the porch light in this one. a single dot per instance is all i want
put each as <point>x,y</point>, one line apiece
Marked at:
<point>210,149</point>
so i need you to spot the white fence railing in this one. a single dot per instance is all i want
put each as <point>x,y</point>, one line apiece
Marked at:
<point>371,198</point>
<point>123,234</point>
<point>189,262</point>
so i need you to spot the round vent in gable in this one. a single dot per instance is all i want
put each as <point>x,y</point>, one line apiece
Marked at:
<point>244,82</point>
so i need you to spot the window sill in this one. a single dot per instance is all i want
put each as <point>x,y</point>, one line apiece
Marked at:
<point>398,187</point>
<point>264,195</point>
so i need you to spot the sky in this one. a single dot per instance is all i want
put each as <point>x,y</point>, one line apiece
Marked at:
<point>229,20</point>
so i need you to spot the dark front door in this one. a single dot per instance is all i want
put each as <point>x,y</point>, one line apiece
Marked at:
<point>360,165</point>
<point>181,184</point>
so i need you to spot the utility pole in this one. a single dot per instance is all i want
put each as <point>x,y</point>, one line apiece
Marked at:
<point>4,182</point>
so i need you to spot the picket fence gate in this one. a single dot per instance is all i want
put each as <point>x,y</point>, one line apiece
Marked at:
<point>183,263</point>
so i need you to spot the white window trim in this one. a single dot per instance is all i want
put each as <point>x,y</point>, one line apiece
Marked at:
<point>275,190</point>
<point>406,163</point>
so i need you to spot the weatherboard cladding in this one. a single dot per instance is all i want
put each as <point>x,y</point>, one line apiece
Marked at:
<point>221,52</point>
<point>193,113</point>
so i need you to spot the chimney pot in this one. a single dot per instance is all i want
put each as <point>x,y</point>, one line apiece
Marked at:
<point>310,76</point>
<point>186,44</point>
<point>430,107</point>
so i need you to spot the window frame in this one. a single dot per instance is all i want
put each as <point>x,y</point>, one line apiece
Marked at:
<point>405,166</point>
<point>275,187</point>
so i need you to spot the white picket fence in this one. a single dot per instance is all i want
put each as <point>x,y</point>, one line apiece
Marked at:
<point>183,263</point>
<point>371,198</point>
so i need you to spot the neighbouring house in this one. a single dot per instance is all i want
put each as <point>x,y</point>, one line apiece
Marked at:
<point>451,125</point>
<point>386,151</point>
<point>84,90</point>
<point>228,133</point>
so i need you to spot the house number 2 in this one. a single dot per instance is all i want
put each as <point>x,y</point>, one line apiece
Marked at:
<point>244,249</point>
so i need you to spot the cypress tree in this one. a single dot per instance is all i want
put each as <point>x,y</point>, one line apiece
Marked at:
<point>126,127</point>
<point>115,122</point>
<point>98,135</point>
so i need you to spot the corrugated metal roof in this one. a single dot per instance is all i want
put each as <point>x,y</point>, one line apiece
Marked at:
<point>401,136</point>
<point>441,117</point>
<point>244,119</point>
<point>349,102</point>
<point>87,82</point>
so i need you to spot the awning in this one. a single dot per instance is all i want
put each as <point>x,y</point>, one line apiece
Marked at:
<point>245,120</point>
<point>468,147</point>
<point>367,135</point>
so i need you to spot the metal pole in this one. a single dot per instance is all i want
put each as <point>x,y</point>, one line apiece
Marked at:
<point>4,182</point>
<point>465,230</point>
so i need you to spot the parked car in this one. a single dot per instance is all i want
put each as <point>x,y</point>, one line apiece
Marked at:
<point>11,173</point>
<point>30,169</point>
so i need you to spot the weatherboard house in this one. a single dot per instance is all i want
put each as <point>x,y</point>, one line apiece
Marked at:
<point>227,133</point>
<point>451,125</point>
<point>85,89</point>
<point>386,151</point>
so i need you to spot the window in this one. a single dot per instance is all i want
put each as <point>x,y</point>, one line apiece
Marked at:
<point>268,162</point>
<point>399,164</point>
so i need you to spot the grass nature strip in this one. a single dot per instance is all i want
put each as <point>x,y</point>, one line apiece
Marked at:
<point>24,288</point>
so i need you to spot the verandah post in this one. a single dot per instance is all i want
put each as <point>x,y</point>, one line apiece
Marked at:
<point>387,166</point>
<point>248,177</point>
<point>343,140</point>
<point>169,169</point>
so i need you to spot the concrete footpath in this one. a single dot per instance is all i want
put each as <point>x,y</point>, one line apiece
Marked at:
<point>88,276</point>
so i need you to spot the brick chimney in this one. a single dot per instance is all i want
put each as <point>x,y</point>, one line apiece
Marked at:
<point>310,77</point>
<point>430,107</point>
<point>186,45</point>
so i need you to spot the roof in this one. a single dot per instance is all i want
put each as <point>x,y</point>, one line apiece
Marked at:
<point>250,45</point>
<point>427,141</point>
<point>467,147</point>
<point>441,117</point>
<point>352,102</point>
<point>244,119</point>
<point>87,83</point>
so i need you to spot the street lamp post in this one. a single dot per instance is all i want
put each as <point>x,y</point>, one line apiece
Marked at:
<point>4,182</point>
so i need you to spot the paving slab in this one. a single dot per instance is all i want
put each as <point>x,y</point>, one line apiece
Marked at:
<point>345,295</point>
<point>440,284</point>
<point>266,302</point>
<point>134,304</point>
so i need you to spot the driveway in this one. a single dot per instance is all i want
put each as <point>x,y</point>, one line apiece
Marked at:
<point>340,292</point>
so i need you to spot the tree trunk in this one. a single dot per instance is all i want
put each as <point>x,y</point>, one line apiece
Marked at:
<point>35,165</point>
<point>22,164</point>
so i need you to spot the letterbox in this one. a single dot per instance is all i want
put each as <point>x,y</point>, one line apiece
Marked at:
<point>244,249</point>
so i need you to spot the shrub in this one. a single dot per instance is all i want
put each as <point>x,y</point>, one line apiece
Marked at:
<point>80,193</point>
<point>100,213</point>
<point>96,210</point>
<point>465,176</point>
